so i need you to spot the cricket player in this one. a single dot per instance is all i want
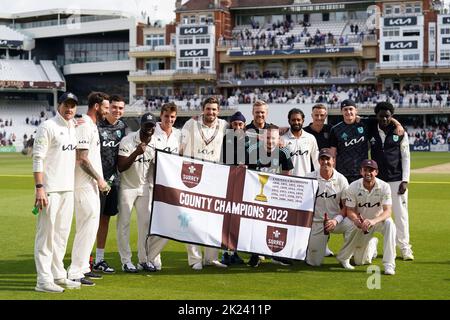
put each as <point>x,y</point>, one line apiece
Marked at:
<point>88,183</point>
<point>369,205</point>
<point>54,168</point>
<point>202,139</point>
<point>329,200</point>
<point>269,157</point>
<point>135,162</point>
<point>301,144</point>
<point>391,152</point>
<point>111,131</point>
<point>166,138</point>
<point>318,128</point>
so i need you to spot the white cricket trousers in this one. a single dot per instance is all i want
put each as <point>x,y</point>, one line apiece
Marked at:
<point>401,219</point>
<point>318,240</point>
<point>357,244</point>
<point>52,232</point>
<point>140,199</point>
<point>195,254</point>
<point>87,218</point>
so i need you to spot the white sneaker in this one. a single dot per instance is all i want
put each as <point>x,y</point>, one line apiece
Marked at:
<point>216,263</point>
<point>197,266</point>
<point>407,255</point>
<point>69,284</point>
<point>328,252</point>
<point>157,263</point>
<point>346,264</point>
<point>389,270</point>
<point>49,287</point>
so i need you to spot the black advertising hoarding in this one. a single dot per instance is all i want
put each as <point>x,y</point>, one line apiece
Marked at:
<point>400,21</point>
<point>401,45</point>
<point>193,31</point>
<point>193,53</point>
<point>291,52</point>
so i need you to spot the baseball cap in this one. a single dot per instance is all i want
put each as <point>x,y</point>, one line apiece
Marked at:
<point>369,163</point>
<point>68,96</point>
<point>238,116</point>
<point>326,152</point>
<point>148,118</point>
<point>348,103</point>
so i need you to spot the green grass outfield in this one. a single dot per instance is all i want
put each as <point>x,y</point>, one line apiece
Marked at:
<point>428,277</point>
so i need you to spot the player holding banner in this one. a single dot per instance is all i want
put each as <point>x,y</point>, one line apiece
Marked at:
<point>202,139</point>
<point>166,138</point>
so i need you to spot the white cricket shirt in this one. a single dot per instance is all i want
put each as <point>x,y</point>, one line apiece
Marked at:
<point>140,173</point>
<point>88,139</point>
<point>303,151</point>
<point>54,153</point>
<point>368,204</point>
<point>329,194</point>
<point>203,142</point>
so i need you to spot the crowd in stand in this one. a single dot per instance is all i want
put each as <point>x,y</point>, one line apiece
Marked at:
<point>436,134</point>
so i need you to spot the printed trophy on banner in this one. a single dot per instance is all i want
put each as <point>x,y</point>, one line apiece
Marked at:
<point>263,179</point>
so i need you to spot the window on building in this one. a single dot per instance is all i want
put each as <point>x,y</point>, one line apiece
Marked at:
<point>411,57</point>
<point>411,33</point>
<point>445,55</point>
<point>154,40</point>
<point>391,32</point>
<point>155,64</point>
<point>201,40</point>
<point>185,63</point>
<point>192,20</point>
<point>388,9</point>
<point>186,40</point>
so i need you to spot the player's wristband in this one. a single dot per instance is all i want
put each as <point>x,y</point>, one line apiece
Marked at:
<point>338,218</point>
<point>39,185</point>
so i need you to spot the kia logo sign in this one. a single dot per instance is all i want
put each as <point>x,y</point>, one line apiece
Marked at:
<point>193,30</point>
<point>446,20</point>
<point>194,53</point>
<point>397,22</point>
<point>400,45</point>
<point>445,40</point>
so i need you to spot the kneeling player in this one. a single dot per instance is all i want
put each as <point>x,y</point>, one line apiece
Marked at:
<point>331,192</point>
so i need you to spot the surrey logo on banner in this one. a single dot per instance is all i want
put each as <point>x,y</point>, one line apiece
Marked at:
<point>191,174</point>
<point>276,238</point>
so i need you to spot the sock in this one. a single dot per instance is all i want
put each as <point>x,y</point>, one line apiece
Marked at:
<point>99,255</point>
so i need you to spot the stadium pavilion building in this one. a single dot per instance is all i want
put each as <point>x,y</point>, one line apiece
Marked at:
<point>237,46</point>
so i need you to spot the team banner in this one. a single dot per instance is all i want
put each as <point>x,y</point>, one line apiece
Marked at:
<point>232,207</point>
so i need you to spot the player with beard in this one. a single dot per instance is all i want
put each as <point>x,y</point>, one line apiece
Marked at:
<point>202,139</point>
<point>369,205</point>
<point>54,159</point>
<point>135,163</point>
<point>111,130</point>
<point>301,144</point>
<point>88,182</point>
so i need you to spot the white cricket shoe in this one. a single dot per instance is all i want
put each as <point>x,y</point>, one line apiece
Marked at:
<point>197,266</point>
<point>407,255</point>
<point>49,287</point>
<point>69,284</point>
<point>389,270</point>
<point>328,252</point>
<point>216,263</point>
<point>346,264</point>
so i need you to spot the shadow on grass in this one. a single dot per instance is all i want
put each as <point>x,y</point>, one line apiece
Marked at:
<point>174,263</point>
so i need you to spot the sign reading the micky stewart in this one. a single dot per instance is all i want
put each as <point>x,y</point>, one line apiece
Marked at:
<point>232,207</point>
